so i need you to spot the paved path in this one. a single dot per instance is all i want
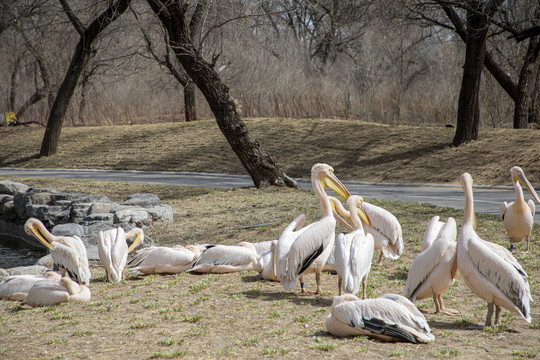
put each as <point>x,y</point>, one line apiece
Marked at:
<point>487,198</point>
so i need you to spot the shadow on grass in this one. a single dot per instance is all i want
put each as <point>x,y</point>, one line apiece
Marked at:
<point>296,298</point>
<point>19,161</point>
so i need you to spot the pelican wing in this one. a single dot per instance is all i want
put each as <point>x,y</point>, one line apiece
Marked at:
<point>307,247</point>
<point>389,316</point>
<point>342,254</point>
<point>532,206</point>
<point>362,247</point>
<point>432,231</point>
<point>500,267</point>
<point>112,251</point>
<point>70,254</point>
<point>285,241</point>
<point>386,230</point>
<point>160,259</point>
<point>223,255</point>
<point>503,208</point>
<point>428,260</point>
<point>46,293</point>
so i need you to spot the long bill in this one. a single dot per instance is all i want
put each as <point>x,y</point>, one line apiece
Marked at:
<point>138,238</point>
<point>523,180</point>
<point>38,235</point>
<point>363,215</point>
<point>331,181</point>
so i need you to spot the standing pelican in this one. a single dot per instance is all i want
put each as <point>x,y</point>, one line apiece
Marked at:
<point>354,251</point>
<point>490,270</point>
<point>165,260</point>
<point>68,252</point>
<point>310,249</point>
<point>518,216</point>
<point>53,292</point>
<point>226,259</point>
<point>389,318</point>
<point>16,287</point>
<point>113,250</point>
<point>432,232</point>
<point>434,269</point>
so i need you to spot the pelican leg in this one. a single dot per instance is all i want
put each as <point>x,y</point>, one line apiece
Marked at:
<point>437,306</point>
<point>303,286</point>
<point>318,279</point>
<point>364,284</point>
<point>497,315</point>
<point>380,258</point>
<point>339,284</point>
<point>450,312</point>
<point>528,244</point>
<point>489,314</point>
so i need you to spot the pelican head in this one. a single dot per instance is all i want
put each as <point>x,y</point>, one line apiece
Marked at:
<point>343,298</point>
<point>519,176</point>
<point>356,201</point>
<point>35,228</point>
<point>139,237</point>
<point>325,175</point>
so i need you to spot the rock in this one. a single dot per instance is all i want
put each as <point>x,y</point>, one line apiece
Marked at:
<point>106,218</point>
<point>100,207</point>
<point>46,261</point>
<point>3,274</point>
<point>136,216</point>
<point>152,198</point>
<point>68,230</point>
<point>11,188</point>
<point>28,270</point>
<point>79,212</point>
<point>161,212</point>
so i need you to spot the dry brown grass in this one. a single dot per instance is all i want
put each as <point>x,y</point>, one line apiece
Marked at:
<point>357,150</point>
<point>239,315</point>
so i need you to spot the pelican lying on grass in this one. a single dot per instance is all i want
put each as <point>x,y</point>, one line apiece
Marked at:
<point>16,287</point>
<point>518,216</point>
<point>354,251</point>
<point>490,270</point>
<point>310,246</point>
<point>113,250</point>
<point>265,264</point>
<point>389,318</point>
<point>435,268</point>
<point>53,292</point>
<point>165,260</point>
<point>226,259</point>
<point>68,252</point>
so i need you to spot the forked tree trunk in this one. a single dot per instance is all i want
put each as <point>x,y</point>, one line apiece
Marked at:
<point>262,168</point>
<point>80,58</point>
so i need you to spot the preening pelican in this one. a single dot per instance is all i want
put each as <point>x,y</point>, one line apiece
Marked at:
<point>383,226</point>
<point>354,252</point>
<point>518,216</point>
<point>310,249</point>
<point>226,259</point>
<point>113,250</point>
<point>165,260</point>
<point>389,318</point>
<point>53,292</point>
<point>265,264</point>
<point>490,270</point>
<point>68,252</point>
<point>434,269</point>
<point>16,287</point>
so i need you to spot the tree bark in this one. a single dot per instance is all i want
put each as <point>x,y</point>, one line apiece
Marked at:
<point>81,55</point>
<point>262,168</point>
<point>526,86</point>
<point>190,104</point>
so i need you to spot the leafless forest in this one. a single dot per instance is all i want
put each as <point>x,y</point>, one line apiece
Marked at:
<point>385,61</point>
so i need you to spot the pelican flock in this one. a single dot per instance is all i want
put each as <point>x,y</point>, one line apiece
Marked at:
<point>488,269</point>
<point>518,216</point>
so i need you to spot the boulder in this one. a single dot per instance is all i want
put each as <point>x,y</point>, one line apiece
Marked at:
<point>11,188</point>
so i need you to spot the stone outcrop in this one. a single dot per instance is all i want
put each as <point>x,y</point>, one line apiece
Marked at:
<point>71,213</point>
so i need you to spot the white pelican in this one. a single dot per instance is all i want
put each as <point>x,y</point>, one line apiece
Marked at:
<point>226,259</point>
<point>265,264</point>
<point>490,270</point>
<point>165,260</point>
<point>518,216</point>
<point>16,287</point>
<point>261,247</point>
<point>383,226</point>
<point>310,249</point>
<point>354,252</point>
<point>434,269</point>
<point>53,292</point>
<point>68,252</point>
<point>113,250</point>
<point>389,318</point>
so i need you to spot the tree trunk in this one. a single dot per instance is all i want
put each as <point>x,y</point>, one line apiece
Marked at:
<point>80,58</point>
<point>526,85</point>
<point>190,106</point>
<point>262,168</point>
<point>468,117</point>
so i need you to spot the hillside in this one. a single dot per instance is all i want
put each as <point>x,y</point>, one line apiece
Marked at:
<point>357,150</point>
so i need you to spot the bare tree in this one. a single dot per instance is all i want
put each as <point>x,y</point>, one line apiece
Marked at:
<point>263,168</point>
<point>80,58</point>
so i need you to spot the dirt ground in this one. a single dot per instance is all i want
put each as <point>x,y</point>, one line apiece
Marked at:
<point>239,315</point>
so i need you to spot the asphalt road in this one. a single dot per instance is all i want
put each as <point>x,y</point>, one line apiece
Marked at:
<point>487,199</point>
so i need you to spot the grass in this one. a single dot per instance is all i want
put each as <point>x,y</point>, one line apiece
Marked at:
<point>238,315</point>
